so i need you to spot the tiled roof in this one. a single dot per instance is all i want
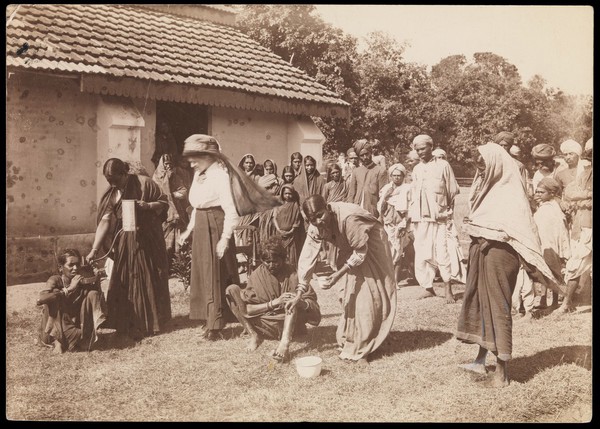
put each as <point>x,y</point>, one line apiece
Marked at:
<point>135,42</point>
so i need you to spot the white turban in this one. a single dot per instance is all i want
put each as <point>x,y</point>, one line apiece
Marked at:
<point>588,144</point>
<point>439,152</point>
<point>515,150</point>
<point>413,155</point>
<point>422,138</point>
<point>395,167</point>
<point>570,146</point>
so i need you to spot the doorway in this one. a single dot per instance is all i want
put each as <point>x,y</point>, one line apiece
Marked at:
<point>174,123</point>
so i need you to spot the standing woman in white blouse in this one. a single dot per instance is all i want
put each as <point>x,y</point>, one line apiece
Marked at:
<point>220,193</point>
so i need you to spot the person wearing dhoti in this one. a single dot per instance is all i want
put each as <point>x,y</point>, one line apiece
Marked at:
<point>571,151</point>
<point>554,236</point>
<point>578,196</point>
<point>363,273</point>
<point>501,239</point>
<point>393,206</point>
<point>366,180</point>
<point>434,188</point>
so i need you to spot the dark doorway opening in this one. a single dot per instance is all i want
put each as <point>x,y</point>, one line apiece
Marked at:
<point>174,123</point>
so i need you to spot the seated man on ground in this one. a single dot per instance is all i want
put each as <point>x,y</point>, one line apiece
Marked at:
<point>73,307</point>
<point>260,307</point>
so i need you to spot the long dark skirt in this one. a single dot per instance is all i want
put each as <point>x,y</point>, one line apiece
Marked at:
<point>485,317</point>
<point>138,297</point>
<point>211,275</point>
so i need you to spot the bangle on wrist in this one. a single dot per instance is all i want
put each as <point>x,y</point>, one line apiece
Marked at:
<point>269,306</point>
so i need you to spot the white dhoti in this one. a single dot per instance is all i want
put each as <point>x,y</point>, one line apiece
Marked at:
<point>580,261</point>
<point>458,268</point>
<point>523,293</point>
<point>431,251</point>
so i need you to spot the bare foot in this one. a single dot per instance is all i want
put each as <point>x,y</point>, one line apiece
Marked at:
<point>427,293</point>
<point>449,295</point>
<point>566,308</point>
<point>281,354</point>
<point>362,362</point>
<point>253,343</point>
<point>474,367</point>
<point>495,381</point>
<point>58,348</point>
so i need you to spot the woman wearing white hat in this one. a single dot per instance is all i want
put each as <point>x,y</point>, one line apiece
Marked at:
<point>220,193</point>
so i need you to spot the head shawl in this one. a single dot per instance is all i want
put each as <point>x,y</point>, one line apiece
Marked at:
<point>248,196</point>
<point>395,167</point>
<point>274,165</point>
<point>543,151</point>
<point>422,138</point>
<point>361,145</point>
<point>551,184</point>
<point>570,146</point>
<point>505,136</point>
<point>439,152</point>
<point>499,209</point>
<point>515,150</point>
<point>243,159</point>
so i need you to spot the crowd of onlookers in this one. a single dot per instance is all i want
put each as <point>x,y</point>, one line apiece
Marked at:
<point>378,224</point>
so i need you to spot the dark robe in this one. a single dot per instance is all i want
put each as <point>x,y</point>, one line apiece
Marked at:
<point>264,287</point>
<point>138,297</point>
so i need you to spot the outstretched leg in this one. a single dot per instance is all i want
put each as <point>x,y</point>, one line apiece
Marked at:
<point>283,349</point>
<point>238,308</point>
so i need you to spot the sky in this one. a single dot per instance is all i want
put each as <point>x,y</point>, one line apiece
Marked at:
<point>555,42</point>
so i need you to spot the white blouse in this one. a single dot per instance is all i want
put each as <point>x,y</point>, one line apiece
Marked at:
<point>213,189</point>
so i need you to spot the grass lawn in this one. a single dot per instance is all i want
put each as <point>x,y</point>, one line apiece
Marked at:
<point>413,377</point>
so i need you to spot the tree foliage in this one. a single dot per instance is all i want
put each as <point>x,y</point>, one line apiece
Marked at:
<point>460,102</point>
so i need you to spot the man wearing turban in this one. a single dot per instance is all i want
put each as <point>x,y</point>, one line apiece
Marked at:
<point>571,150</point>
<point>366,180</point>
<point>505,139</point>
<point>432,201</point>
<point>543,155</point>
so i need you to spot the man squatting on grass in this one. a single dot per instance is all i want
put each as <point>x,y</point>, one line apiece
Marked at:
<point>270,305</point>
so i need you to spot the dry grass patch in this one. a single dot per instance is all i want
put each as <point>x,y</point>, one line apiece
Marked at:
<point>176,376</point>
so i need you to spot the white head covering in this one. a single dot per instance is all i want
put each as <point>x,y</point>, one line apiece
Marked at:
<point>395,167</point>
<point>499,209</point>
<point>422,138</point>
<point>589,144</point>
<point>570,146</point>
<point>515,150</point>
<point>439,152</point>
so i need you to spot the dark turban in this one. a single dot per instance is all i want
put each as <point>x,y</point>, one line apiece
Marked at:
<point>543,151</point>
<point>506,136</point>
<point>360,145</point>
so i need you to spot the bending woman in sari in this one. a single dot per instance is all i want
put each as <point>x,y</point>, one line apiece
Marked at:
<point>500,241</point>
<point>363,270</point>
<point>138,297</point>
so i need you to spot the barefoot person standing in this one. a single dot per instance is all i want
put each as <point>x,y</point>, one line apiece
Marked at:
<point>432,200</point>
<point>503,235</point>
